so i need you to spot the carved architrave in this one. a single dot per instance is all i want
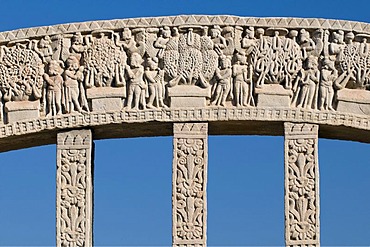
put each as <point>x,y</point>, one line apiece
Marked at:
<point>302,224</point>
<point>74,189</point>
<point>189,211</point>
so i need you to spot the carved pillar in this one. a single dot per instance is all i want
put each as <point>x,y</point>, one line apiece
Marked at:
<point>189,180</point>
<point>302,222</point>
<point>74,188</point>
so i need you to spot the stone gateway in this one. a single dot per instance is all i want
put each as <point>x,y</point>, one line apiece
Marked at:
<point>186,76</point>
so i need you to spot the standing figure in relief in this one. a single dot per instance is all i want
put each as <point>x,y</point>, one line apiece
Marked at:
<point>137,87</point>
<point>223,77</point>
<point>54,82</point>
<point>162,40</point>
<point>308,80</point>
<point>242,81</point>
<point>73,76</point>
<point>328,75</point>
<point>77,46</point>
<point>154,78</point>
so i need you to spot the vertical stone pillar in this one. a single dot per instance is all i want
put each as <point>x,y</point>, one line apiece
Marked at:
<point>74,200</point>
<point>189,180</point>
<point>302,223</point>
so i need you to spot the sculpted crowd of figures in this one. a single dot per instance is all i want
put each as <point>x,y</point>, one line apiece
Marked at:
<point>232,61</point>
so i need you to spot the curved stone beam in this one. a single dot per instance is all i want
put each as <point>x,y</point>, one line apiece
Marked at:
<point>134,77</point>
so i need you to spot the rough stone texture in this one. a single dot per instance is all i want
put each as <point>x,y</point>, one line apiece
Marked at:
<point>74,188</point>
<point>189,179</point>
<point>302,213</point>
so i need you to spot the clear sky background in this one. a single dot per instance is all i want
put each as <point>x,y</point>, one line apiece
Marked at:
<point>133,176</point>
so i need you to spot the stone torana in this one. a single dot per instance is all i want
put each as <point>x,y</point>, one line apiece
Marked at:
<point>186,76</point>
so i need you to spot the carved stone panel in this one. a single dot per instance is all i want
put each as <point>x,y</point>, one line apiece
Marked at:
<point>302,224</point>
<point>189,184</point>
<point>74,189</point>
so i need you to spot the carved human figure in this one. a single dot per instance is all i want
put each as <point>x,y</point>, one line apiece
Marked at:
<point>306,90</point>
<point>223,86</point>
<point>54,87</point>
<point>73,76</point>
<point>162,40</point>
<point>307,44</point>
<point>218,40</point>
<point>228,34</point>
<point>140,36</point>
<point>328,75</point>
<point>77,46</point>
<point>249,41</point>
<point>128,41</point>
<point>154,78</point>
<point>242,81</point>
<point>137,86</point>
<point>44,49</point>
<point>336,47</point>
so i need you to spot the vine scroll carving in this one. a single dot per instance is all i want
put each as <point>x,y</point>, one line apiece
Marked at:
<point>302,225</point>
<point>74,189</point>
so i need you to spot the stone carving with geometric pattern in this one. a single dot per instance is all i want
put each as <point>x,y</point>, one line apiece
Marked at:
<point>189,184</point>
<point>302,223</point>
<point>74,188</point>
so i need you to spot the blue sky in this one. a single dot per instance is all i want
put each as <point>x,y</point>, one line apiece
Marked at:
<point>133,176</point>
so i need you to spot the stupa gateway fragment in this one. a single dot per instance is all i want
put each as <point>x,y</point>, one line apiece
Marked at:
<point>186,76</point>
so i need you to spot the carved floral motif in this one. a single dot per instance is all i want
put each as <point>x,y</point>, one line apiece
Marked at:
<point>301,185</point>
<point>73,190</point>
<point>189,192</point>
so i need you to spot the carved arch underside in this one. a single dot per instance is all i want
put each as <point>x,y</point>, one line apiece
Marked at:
<point>134,77</point>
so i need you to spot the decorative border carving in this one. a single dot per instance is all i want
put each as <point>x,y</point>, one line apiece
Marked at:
<point>189,184</point>
<point>74,188</point>
<point>185,115</point>
<point>284,22</point>
<point>302,213</point>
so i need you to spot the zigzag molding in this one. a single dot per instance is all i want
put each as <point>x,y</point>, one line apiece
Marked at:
<point>226,20</point>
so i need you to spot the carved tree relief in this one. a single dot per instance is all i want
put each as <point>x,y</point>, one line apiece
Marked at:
<point>229,65</point>
<point>189,184</point>
<point>301,185</point>
<point>74,189</point>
